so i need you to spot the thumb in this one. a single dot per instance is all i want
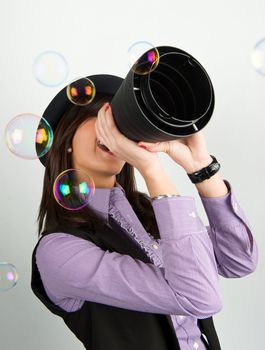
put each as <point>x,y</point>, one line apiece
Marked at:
<point>155,147</point>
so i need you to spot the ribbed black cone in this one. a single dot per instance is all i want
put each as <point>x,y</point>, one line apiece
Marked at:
<point>174,100</point>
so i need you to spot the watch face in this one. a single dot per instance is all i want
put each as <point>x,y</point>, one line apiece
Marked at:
<point>215,166</point>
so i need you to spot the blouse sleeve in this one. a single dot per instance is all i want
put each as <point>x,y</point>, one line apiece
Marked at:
<point>187,284</point>
<point>229,229</point>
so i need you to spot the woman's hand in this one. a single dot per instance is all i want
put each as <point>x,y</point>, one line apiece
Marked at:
<point>189,152</point>
<point>120,145</point>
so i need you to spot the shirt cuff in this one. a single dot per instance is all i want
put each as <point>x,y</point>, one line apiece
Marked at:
<point>224,211</point>
<point>177,217</point>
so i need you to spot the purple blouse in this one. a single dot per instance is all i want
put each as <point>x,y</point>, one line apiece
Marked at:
<point>182,277</point>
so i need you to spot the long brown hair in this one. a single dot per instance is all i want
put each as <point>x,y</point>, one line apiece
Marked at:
<point>58,160</point>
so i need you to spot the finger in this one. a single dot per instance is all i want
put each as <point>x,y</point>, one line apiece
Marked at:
<point>148,145</point>
<point>105,130</point>
<point>110,126</point>
<point>110,122</point>
<point>99,125</point>
<point>155,147</point>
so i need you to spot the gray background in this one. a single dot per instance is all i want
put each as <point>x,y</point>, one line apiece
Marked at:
<point>94,38</point>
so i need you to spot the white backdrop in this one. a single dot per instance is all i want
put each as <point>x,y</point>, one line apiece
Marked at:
<point>94,38</point>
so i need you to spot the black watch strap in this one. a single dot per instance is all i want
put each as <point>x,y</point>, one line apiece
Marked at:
<point>205,173</point>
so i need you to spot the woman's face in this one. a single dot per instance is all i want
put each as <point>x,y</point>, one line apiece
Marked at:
<point>101,166</point>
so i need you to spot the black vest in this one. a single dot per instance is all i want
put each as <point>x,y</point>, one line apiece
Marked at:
<point>101,327</point>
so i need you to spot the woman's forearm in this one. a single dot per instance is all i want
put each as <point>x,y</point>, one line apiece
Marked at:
<point>213,187</point>
<point>158,182</point>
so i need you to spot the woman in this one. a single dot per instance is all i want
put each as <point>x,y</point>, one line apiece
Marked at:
<point>132,270</point>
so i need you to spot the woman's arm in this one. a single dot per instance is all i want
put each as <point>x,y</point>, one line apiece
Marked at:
<point>73,269</point>
<point>234,245</point>
<point>187,284</point>
<point>230,232</point>
<point>187,251</point>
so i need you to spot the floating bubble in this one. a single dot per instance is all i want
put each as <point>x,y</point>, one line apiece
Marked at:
<point>81,92</point>
<point>50,68</point>
<point>73,189</point>
<point>28,136</point>
<point>143,57</point>
<point>258,57</point>
<point>8,276</point>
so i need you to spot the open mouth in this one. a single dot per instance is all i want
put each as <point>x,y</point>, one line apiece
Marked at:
<point>103,147</point>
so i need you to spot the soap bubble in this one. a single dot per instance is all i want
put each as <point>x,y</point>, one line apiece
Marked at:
<point>81,92</point>
<point>8,276</point>
<point>28,136</point>
<point>143,57</point>
<point>258,57</point>
<point>73,189</point>
<point>50,68</point>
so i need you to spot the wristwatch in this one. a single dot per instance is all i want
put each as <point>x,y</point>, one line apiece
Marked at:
<point>205,173</point>
<point>197,176</point>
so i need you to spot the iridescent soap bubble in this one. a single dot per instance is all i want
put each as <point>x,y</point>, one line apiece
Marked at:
<point>28,136</point>
<point>143,57</point>
<point>8,276</point>
<point>73,189</point>
<point>50,68</point>
<point>258,57</point>
<point>81,92</point>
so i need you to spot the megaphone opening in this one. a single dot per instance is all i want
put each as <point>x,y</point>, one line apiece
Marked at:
<point>177,92</point>
<point>174,99</point>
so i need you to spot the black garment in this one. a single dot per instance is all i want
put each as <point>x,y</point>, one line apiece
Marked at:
<point>100,326</point>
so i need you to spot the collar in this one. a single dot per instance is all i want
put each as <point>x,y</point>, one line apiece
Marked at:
<point>101,197</point>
